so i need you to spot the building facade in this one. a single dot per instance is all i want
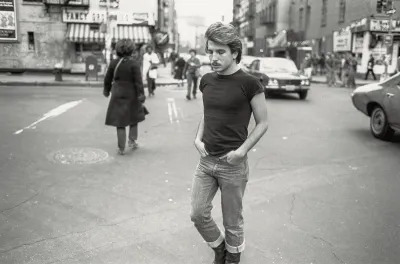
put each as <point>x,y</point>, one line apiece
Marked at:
<point>66,32</point>
<point>345,26</point>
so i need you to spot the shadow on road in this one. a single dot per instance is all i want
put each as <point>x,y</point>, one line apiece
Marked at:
<point>293,97</point>
<point>366,134</point>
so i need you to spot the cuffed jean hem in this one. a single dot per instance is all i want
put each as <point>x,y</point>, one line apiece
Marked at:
<point>237,249</point>
<point>217,242</point>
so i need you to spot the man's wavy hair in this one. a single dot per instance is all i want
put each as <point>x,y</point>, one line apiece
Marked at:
<point>225,34</point>
<point>124,47</point>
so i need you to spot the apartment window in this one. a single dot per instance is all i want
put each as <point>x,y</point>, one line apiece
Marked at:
<point>32,1</point>
<point>31,41</point>
<point>324,12</point>
<point>301,17</point>
<point>342,11</point>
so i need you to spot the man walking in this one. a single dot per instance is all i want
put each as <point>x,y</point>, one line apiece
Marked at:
<point>192,73</point>
<point>150,65</point>
<point>371,64</point>
<point>229,97</point>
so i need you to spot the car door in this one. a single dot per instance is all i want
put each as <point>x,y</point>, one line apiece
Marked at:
<point>392,104</point>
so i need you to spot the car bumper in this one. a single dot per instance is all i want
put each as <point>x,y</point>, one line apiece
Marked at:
<point>286,89</point>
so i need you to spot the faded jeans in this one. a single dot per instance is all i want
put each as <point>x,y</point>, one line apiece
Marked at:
<point>213,173</point>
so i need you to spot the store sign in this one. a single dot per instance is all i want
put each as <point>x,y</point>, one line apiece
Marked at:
<point>342,40</point>
<point>359,25</point>
<point>358,45</point>
<point>8,21</point>
<point>99,16</point>
<point>383,25</point>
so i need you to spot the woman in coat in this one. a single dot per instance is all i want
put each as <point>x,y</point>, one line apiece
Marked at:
<point>124,80</point>
<point>179,66</point>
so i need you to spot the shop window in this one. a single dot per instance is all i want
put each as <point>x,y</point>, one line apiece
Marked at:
<point>31,41</point>
<point>84,47</point>
<point>324,12</point>
<point>342,11</point>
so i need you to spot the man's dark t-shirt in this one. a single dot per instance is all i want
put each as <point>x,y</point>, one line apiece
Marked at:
<point>227,109</point>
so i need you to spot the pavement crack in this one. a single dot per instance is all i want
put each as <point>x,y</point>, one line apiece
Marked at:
<point>44,240</point>
<point>339,259</point>
<point>21,203</point>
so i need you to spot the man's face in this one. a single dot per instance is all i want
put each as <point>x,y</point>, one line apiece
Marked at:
<point>192,54</point>
<point>149,50</point>
<point>221,57</point>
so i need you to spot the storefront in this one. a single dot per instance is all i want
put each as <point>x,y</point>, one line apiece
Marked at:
<point>277,45</point>
<point>87,35</point>
<point>368,39</point>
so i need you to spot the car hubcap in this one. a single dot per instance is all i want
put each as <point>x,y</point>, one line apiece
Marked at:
<point>378,121</point>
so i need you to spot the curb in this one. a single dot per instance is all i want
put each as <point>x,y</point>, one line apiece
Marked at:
<point>68,84</point>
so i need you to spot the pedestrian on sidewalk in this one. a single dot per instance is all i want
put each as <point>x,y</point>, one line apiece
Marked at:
<point>192,73</point>
<point>150,65</point>
<point>229,97</point>
<point>345,69</point>
<point>330,70</point>
<point>370,67</point>
<point>179,66</point>
<point>124,80</point>
<point>351,80</point>
<point>306,66</point>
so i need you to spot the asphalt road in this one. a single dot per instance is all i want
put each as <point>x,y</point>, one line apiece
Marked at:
<point>321,189</point>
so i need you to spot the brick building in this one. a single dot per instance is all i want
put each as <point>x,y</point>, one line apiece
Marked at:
<point>344,26</point>
<point>68,31</point>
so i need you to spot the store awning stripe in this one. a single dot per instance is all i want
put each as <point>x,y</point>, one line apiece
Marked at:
<point>82,33</point>
<point>139,34</point>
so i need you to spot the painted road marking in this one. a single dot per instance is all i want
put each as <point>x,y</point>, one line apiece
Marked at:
<point>51,114</point>
<point>172,111</point>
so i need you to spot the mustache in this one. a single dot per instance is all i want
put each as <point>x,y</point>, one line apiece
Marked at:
<point>215,64</point>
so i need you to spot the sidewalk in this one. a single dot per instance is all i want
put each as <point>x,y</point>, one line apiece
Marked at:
<point>359,81</point>
<point>47,79</point>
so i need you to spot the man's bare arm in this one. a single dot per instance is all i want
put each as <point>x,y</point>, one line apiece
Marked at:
<point>259,106</point>
<point>199,136</point>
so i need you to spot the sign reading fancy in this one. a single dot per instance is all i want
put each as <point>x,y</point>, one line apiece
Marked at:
<point>8,23</point>
<point>75,16</point>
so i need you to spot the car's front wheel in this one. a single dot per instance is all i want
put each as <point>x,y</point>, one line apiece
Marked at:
<point>379,124</point>
<point>303,94</point>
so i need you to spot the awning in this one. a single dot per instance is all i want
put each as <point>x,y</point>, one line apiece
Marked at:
<point>83,33</point>
<point>139,34</point>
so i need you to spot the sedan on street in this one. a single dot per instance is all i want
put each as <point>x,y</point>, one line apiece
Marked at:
<point>280,75</point>
<point>381,102</point>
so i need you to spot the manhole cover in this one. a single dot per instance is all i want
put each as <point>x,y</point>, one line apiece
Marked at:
<point>79,156</point>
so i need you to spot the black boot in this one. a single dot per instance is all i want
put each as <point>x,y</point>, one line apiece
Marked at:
<point>232,258</point>
<point>220,254</point>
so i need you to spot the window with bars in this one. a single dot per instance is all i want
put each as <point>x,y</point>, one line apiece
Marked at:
<point>342,11</point>
<point>324,12</point>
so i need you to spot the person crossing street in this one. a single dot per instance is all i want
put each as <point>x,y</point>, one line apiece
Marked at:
<point>230,96</point>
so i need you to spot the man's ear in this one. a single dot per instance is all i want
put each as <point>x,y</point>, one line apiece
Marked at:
<point>235,54</point>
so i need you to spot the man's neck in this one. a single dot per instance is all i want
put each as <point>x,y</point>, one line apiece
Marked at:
<point>231,70</point>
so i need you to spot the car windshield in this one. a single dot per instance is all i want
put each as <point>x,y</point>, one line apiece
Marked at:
<point>278,65</point>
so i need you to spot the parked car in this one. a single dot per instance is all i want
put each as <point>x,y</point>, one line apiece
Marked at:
<point>246,61</point>
<point>280,75</point>
<point>381,102</point>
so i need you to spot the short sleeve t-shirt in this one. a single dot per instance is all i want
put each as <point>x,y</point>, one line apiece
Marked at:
<point>227,109</point>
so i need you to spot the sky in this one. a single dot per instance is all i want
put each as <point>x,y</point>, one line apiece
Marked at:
<point>210,10</point>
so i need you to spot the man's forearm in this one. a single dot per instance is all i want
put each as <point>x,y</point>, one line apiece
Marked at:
<point>253,138</point>
<point>200,130</point>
